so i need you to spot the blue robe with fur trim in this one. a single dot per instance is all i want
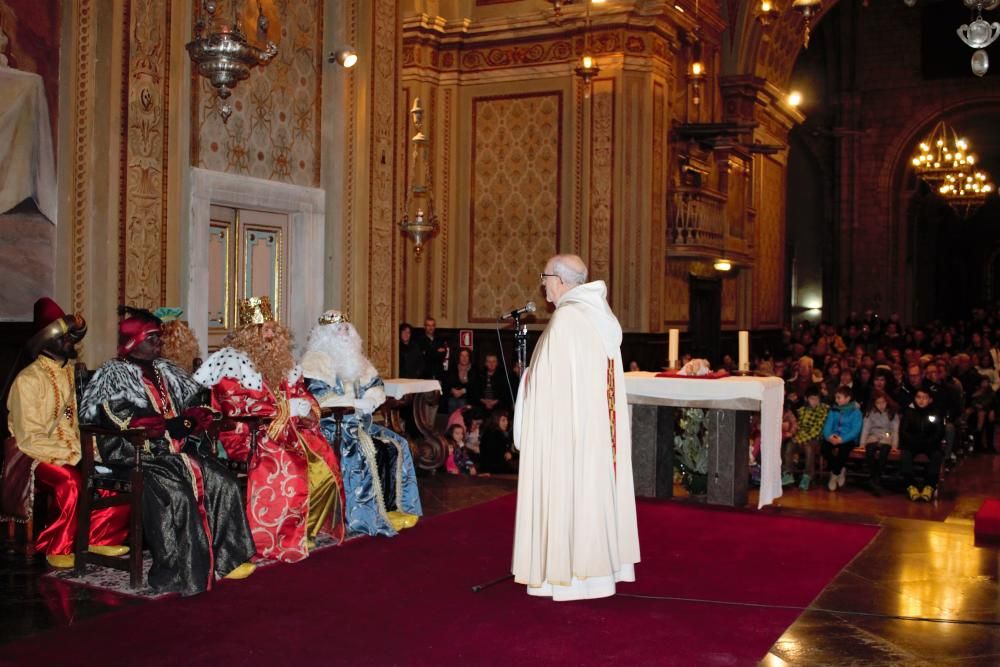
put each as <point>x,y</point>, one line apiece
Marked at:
<point>379,476</point>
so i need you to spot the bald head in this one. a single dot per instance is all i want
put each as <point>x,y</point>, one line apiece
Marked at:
<point>570,268</point>
<point>564,272</point>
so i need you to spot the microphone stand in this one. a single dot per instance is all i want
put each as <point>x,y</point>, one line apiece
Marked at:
<point>520,341</point>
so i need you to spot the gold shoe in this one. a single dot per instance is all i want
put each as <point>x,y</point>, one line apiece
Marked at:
<point>108,550</point>
<point>310,544</point>
<point>242,572</point>
<point>61,561</point>
<point>401,520</point>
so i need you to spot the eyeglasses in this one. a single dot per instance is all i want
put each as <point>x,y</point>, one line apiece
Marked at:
<point>543,276</point>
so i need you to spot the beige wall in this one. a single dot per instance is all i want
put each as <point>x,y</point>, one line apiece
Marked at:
<point>592,174</point>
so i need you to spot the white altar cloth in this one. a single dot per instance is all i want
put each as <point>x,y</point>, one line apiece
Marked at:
<point>647,389</point>
<point>399,387</point>
<point>27,166</point>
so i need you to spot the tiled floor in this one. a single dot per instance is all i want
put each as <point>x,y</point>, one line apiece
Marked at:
<point>922,564</point>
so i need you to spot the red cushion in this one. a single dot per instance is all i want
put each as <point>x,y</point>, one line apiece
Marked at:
<point>988,520</point>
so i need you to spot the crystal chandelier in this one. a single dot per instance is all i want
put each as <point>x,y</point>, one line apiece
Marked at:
<point>423,224</point>
<point>223,55</point>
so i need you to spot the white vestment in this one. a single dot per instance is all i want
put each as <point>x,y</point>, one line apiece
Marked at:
<point>576,532</point>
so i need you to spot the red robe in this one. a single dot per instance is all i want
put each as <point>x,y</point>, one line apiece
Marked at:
<point>278,492</point>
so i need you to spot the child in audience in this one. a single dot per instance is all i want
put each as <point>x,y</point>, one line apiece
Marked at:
<point>789,427</point>
<point>805,442</point>
<point>841,432</point>
<point>458,462</point>
<point>880,436</point>
<point>922,432</point>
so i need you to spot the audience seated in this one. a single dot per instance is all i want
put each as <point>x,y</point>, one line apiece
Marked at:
<point>956,365</point>
<point>460,383</point>
<point>879,435</point>
<point>811,418</point>
<point>922,432</point>
<point>840,435</point>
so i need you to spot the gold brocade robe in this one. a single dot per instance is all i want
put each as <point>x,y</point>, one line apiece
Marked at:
<point>42,413</point>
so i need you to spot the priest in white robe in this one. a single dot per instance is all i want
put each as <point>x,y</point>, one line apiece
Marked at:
<point>575,534</point>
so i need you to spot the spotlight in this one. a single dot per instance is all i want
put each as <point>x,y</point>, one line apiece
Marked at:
<point>794,98</point>
<point>346,57</point>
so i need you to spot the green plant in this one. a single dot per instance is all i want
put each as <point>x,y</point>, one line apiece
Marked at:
<point>691,443</point>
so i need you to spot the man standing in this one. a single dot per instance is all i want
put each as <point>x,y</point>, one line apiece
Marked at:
<point>434,350</point>
<point>43,420</point>
<point>192,513</point>
<point>575,534</point>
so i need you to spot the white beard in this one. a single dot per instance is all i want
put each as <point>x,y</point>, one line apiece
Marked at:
<point>341,344</point>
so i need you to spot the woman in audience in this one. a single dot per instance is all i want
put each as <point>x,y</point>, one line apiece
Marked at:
<point>411,360</point>
<point>461,382</point>
<point>497,454</point>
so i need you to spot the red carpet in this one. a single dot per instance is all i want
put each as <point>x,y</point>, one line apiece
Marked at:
<point>407,601</point>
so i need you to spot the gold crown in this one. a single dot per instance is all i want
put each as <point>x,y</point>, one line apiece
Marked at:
<point>334,317</point>
<point>254,310</point>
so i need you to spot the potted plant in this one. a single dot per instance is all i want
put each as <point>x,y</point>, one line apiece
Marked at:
<point>691,450</point>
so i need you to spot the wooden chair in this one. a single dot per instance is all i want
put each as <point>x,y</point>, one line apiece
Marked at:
<point>125,481</point>
<point>22,507</point>
<point>337,413</point>
<point>229,423</point>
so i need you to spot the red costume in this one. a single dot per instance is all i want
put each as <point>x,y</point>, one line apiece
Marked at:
<point>44,422</point>
<point>294,487</point>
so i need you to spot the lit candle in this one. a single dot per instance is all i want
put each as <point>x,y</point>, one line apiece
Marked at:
<point>674,340</point>
<point>744,356</point>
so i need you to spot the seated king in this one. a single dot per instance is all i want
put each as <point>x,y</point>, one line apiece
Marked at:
<point>293,482</point>
<point>192,513</point>
<point>380,484</point>
<point>42,417</point>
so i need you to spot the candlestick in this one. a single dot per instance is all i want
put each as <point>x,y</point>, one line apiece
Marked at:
<point>744,355</point>
<point>674,336</point>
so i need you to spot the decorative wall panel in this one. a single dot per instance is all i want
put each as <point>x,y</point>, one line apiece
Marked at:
<point>274,132</point>
<point>658,208</point>
<point>602,162</point>
<point>676,293</point>
<point>730,299</point>
<point>769,269</point>
<point>445,207</point>
<point>350,157</point>
<point>81,197</point>
<point>145,108</point>
<point>382,294</point>
<point>516,176</point>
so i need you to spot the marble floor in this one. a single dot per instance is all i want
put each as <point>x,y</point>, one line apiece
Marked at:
<point>922,565</point>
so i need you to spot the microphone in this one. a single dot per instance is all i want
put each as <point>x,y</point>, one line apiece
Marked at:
<point>528,308</point>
